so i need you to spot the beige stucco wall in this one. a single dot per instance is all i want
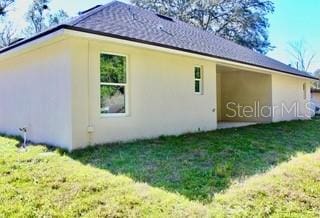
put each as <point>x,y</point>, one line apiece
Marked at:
<point>55,92</point>
<point>287,91</point>
<point>35,92</point>
<point>250,90</point>
<point>161,95</point>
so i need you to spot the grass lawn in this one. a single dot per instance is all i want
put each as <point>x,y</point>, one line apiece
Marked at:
<point>241,172</point>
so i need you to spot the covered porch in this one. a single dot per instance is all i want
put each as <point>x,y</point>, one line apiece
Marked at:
<point>243,97</point>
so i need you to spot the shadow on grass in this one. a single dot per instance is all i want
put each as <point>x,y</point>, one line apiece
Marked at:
<point>17,138</point>
<point>200,165</point>
<point>19,143</point>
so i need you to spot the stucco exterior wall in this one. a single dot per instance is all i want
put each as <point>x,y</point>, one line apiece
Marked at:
<point>290,100</point>
<point>35,92</point>
<point>161,95</point>
<point>250,90</point>
<point>54,91</point>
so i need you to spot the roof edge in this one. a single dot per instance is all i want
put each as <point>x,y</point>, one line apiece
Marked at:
<point>33,38</point>
<point>79,29</point>
<point>84,30</point>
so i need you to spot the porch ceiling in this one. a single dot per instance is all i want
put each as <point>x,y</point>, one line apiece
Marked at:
<point>231,68</point>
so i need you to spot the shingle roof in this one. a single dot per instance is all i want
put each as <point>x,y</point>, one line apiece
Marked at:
<point>129,22</point>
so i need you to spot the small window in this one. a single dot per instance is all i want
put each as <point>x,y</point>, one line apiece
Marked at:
<point>113,84</point>
<point>198,80</point>
<point>304,91</point>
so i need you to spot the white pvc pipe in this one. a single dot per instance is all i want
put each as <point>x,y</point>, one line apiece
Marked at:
<point>25,138</point>
<point>24,130</point>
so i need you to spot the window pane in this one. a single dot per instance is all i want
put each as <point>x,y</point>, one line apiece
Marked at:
<point>112,99</point>
<point>112,68</point>
<point>197,72</point>
<point>197,86</point>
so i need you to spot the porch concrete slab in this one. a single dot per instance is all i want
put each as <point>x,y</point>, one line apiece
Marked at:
<point>226,125</point>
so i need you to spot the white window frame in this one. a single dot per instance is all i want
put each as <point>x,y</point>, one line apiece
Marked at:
<point>198,79</point>
<point>125,85</point>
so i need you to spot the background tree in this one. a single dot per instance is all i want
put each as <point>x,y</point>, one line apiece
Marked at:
<point>302,56</point>
<point>36,15</point>
<point>57,18</point>
<point>4,5</point>
<point>40,18</point>
<point>242,21</point>
<point>317,74</point>
<point>7,33</point>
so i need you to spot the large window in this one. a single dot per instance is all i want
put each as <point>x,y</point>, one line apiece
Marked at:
<point>198,80</point>
<point>113,84</point>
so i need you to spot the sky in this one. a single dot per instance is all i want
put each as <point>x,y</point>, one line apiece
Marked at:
<point>293,20</point>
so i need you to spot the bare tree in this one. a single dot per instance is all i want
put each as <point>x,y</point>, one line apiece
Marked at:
<point>7,34</point>
<point>40,17</point>
<point>317,74</point>
<point>57,18</point>
<point>302,55</point>
<point>7,30</point>
<point>36,16</point>
<point>4,5</point>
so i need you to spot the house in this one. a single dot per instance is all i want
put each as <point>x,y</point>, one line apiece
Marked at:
<point>117,72</point>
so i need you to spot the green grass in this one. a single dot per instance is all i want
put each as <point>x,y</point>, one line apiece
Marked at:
<point>291,189</point>
<point>241,172</point>
<point>200,165</point>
